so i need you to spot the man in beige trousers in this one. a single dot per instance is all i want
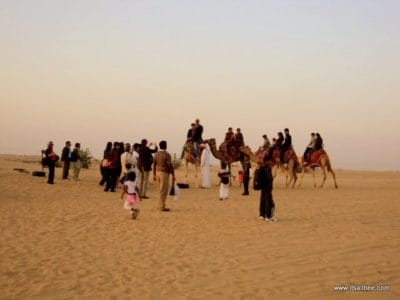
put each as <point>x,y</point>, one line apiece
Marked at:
<point>162,168</point>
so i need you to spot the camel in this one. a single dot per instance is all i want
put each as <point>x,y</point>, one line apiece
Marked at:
<point>225,156</point>
<point>319,159</point>
<point>291,175</point>
<point>190,156</point>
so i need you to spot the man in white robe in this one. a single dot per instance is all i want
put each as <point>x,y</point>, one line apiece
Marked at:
<point>205,163</point>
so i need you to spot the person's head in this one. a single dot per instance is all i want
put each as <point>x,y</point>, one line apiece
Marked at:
<point>116,145</point>
<point>109,146</point>
<point>317,135</point>
<point>223,165</point>
<point>230,129</point>
<point>127,147</point>
<point>50,144</point>
<point>144,142</point>
<point>163,145</point>
<point>312,134</point>
<point>131,176</point>
<point>286,130</point>
<point>197,121</point>
<point>264,136</point>
<point>68,143</point>
<point>77,145</point>
<point>136,146</point>
<point>193,125</point>
<point>280,134</point>
<point>237,129</point>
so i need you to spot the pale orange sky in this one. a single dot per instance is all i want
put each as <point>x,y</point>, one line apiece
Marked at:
<point>98,71</point>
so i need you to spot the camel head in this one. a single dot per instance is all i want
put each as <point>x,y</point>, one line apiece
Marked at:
<point>245,149</point>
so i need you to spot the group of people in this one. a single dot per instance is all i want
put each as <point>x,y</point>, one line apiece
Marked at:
<point>283,143</point>
<point>69,158</point>
<point>131,166</point>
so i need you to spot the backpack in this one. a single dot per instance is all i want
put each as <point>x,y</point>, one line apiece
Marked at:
<point>257,179</point>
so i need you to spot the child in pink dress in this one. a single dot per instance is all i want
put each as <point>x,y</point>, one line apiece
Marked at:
<point>132,191</point>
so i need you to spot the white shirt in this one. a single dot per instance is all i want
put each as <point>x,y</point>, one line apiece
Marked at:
<point>131,185</point>
<point>126,158</point>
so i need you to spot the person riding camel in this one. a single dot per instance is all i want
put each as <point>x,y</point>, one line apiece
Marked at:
<point>318,145</point>
<point>276,145</point>
<point>309,148</point>
<point>229,139</point>
<point>287,144</point>
<point>238,137</point>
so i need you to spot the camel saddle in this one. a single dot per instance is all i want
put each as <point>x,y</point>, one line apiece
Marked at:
<point>289,154</point>
<point>231,151</point>
<point>315,157</point>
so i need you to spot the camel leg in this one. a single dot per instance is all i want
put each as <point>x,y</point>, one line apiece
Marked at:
<point>313,174</point>
<point>230,171</point>
<point>291,173</point>
<point>333,174</point>
<point>186,169</point>
<point>301,177</point>
<point>324,176</point>
<point>294,175</point>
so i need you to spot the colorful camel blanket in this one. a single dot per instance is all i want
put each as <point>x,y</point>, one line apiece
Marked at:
<point>315,157</point>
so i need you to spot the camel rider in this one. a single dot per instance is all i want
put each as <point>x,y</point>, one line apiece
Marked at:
<point>309,148</point>
<point>318,144</point>
<point>267,144</point>
<point>276,145</point>
<point>191,131</point>
<point>287,144</point>
<point>238,137</point>
<point>229,139</point>
<point>197,136</point>
<point>189,135</point>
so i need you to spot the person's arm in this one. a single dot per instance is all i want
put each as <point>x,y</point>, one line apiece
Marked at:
<point>154,150</point>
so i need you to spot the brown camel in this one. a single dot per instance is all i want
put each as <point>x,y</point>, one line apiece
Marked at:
<point>227,156</point>
<point>319,159</point>
<point>290,169</point>
<point>190,157</point>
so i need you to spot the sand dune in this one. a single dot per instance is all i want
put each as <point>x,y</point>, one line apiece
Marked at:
<point>72,240</point>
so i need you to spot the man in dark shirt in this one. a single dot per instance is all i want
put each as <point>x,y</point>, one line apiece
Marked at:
<point>197,136</point>
<point>267,205</point>
<point>66,159</point>
<point>145,162</point>
<point>287,144</point>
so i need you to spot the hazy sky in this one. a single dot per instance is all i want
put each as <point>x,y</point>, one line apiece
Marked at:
<point>93,71</point>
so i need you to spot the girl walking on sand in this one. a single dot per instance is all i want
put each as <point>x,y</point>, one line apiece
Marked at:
<point>132,191</point>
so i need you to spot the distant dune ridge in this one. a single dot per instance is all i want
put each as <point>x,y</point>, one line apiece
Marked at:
<point>72,240</point>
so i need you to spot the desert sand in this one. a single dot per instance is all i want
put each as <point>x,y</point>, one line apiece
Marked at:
<point>71,240</point>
